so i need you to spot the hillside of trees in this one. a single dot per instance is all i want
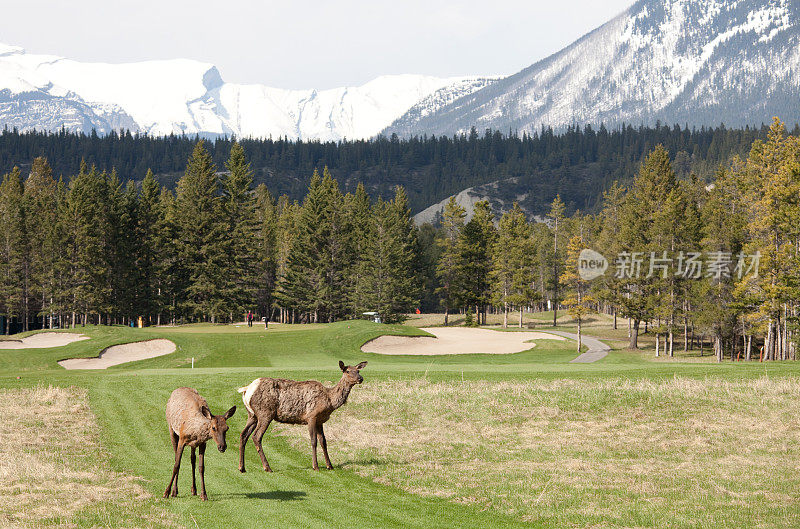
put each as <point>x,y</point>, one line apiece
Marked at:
<point>688,260</point>
<point>577,164</point>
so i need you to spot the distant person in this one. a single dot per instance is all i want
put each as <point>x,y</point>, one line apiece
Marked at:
<point>249,318</point>
<point>266,322</point>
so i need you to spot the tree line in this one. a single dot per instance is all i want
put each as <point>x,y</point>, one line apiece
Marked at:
<point>95,250</point>
<point>688,261</point>
<point>429,168</point>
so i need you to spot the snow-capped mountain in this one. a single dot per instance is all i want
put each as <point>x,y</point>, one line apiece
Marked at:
<point>700,62</point>
<point>184,96</point>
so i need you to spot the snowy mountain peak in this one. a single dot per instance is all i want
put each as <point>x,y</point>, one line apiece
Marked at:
<point>6,49</point>
<point>186,96</point>
<point>699,62</point>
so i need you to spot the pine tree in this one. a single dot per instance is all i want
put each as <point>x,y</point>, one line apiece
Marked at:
<point>288,219</point>
<point>449,269</point>
<point>475,243</point>
<point>389,283</point>
<point>360,235</point>
<point>148,223</point>
<point>578,299</point>
<point>428,254</point>
<point>512,274</point>
<point>724,228</point>
<point>772,187</point>
<point>60,238</point>
<point>314,277</point>
<point>557,217</point>
<point>41,222</point>
<point>407,282</point>
<point>240,224</point>
<point>88,244</point>
<point>641,236</point>
<point>12,245</point>
<point>202,237</point>
<point>125,248</point>
<point>608,288</point>
<point>171,275</point>
<point>266,253</point>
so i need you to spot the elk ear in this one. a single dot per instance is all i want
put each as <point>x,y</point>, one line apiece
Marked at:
<point>206,412</point>
<point>361,366</point>
<point>342,366</point>
<point>229,413</point>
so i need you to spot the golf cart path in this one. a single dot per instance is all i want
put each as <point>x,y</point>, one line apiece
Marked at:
<point>457,340</point>
<point>596,349</point>
<point>120,354</point>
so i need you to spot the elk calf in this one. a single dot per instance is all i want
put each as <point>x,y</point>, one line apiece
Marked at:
<point>291,402</point>
<point>191,423</point>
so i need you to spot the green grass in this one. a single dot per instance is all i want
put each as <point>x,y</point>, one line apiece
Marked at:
<point>128,401</point>
<point>674,453</point>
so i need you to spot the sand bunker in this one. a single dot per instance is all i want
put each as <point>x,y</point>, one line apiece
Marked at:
<point>457,340</point>
<point>43,340</point>
<point>119,354</point>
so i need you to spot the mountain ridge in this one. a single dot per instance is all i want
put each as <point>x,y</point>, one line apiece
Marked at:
<point>699,62</point>
<point>182,96</point>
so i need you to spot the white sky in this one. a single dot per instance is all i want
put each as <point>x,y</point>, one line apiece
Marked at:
<point>312,43</point>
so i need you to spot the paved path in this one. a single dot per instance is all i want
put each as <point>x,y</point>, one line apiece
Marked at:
<point>596,349</point>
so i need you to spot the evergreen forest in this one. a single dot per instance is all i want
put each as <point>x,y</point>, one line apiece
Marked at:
<point>690,256</point>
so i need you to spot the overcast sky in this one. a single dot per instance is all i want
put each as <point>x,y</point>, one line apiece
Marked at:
<point>308,44</point>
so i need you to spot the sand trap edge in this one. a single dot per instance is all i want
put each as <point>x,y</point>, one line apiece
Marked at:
<point>431,336</point>
<point>51,339</point>
<point>103,360</point>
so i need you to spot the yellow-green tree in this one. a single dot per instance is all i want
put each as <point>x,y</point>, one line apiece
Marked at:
<point>578,299</point>
<point>772,180</point>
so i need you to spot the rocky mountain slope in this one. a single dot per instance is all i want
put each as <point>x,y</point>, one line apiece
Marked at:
<point>696,62</point>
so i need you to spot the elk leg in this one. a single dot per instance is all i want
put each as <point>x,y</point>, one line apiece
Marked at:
<point>252,420</point>
<point>312,435</point>
<point>194,485</point>
<point>324,443</point>
<point>175,470</point>
<point>203,495</point>
<point>257,435</point>
<point>174,438</point>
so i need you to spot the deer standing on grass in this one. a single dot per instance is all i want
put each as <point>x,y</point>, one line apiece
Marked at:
<point>291,402</point>
<point>191,423</point>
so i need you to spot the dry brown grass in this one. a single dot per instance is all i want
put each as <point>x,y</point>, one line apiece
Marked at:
<point>53,471</point>
<point>616,453</point>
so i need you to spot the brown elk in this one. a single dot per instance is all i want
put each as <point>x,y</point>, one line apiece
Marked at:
<point>292,402</point>
<point>191,423</point>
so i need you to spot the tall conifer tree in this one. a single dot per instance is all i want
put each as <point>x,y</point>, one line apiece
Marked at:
<point>12,245</point>
<point>512,272</point>
<point>202,248</point>
<point>449,269</point>
<point>238,211</point>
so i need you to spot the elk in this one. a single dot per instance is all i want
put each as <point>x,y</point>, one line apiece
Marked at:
<point>292,402</point>
<point>191,423</point>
